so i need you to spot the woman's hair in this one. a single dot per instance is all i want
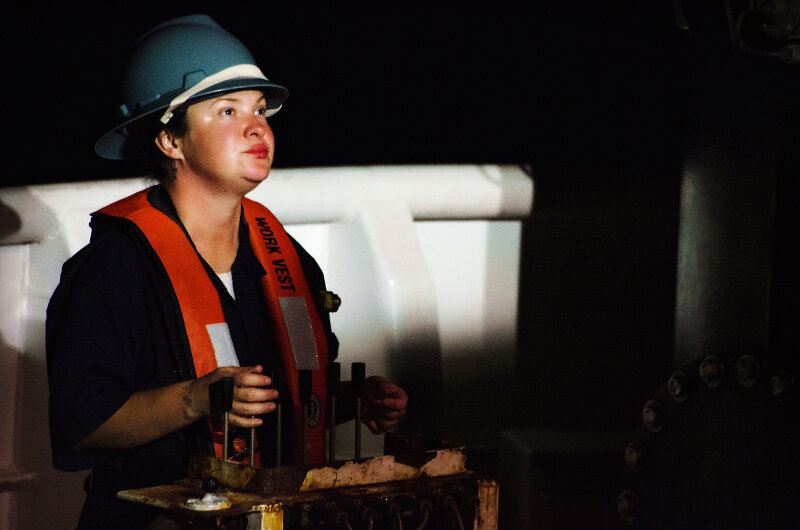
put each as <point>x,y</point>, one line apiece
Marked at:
<point>141,148</point>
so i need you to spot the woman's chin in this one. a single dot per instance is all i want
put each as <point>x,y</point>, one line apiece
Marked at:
<point>257,178</point>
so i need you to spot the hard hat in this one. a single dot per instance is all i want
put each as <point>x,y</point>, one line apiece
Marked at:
<point>178,62</point>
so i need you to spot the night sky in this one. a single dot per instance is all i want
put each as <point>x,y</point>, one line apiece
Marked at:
<point>551,84</point>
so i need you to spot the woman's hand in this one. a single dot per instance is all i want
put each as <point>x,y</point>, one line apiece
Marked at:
<point>383,404</point>
<point>251,397</point>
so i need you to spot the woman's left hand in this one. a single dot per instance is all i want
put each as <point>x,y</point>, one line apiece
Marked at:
<point>383,404</point>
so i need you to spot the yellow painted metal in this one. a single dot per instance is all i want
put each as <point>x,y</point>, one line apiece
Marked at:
<point>272,518</point>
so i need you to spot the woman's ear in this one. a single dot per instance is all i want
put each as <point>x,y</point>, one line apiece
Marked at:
<point>168,145</point>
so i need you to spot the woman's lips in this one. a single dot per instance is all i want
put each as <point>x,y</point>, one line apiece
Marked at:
<point>258,151</point>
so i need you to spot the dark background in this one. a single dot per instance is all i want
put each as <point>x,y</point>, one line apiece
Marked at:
<point>585,86</point>
<point>611,106</point>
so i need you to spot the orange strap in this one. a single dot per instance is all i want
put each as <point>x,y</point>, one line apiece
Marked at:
<point>285,290</point>
<point>295,321</point>
<point>197,297</point>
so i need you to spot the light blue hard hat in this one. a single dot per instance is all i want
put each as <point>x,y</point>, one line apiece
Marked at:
<point>178,62</point>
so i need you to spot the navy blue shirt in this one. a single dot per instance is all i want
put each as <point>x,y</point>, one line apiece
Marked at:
<point>108,335</point>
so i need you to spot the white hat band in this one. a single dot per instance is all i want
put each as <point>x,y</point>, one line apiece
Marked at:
<point>232,72</point>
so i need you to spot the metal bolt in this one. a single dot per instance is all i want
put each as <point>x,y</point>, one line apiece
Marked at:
<point>678,386</point>
<point>780,385</point>
<point>746,370</point>
<point>711,369</point>
<point>634,456</point>
<point>653,415</point>
<point>628,505</point>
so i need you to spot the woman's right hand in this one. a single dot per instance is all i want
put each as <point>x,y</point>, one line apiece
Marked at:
<point>251,397</point>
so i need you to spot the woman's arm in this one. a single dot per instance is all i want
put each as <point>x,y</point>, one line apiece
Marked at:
<point>148,415</point>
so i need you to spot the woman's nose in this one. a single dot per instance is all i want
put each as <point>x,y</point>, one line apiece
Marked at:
<point>257,126</point>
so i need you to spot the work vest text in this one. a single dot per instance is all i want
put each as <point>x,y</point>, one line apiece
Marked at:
<point>271,244</point>
<point>268,236</point>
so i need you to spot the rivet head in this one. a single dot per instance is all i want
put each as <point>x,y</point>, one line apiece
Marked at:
<point>628,505</point>
<point>678,386</point>
<point>710,370</point>
<point>653,416</point>
<point>746,371</point>
<point>634,456</point>
<point>780,385</point>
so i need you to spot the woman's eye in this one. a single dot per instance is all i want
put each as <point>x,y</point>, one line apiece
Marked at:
<point>262,111</point>
<point>228,111</point>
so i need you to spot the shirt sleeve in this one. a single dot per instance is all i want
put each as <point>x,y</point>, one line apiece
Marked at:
<point>95,335</point>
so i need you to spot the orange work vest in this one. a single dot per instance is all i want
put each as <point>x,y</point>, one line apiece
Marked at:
<point>293,315</point>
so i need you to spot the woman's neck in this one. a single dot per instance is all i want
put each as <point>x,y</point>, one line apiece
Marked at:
<point>212,221</point>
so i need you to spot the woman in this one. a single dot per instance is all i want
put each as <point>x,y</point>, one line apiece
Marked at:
<point>186,283</point>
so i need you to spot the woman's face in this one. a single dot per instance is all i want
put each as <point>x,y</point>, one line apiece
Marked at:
<point>229,145</point>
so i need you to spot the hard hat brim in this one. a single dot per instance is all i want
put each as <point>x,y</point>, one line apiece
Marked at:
<point>112,144</point>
